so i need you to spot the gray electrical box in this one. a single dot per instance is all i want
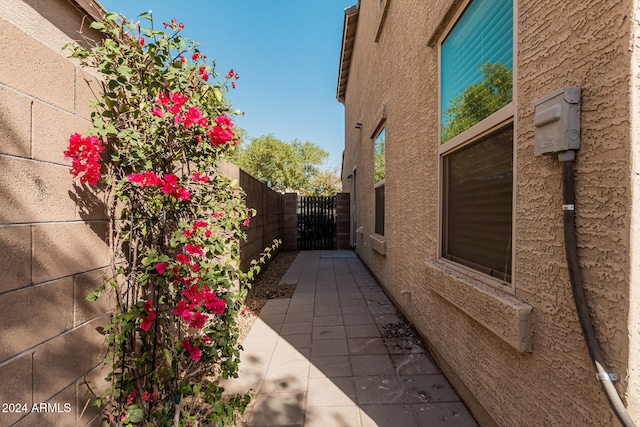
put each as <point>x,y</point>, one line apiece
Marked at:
<point>557,121</point>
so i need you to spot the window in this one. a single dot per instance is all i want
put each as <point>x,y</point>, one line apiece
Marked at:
<point>379,172</point>
<point>476,138</point>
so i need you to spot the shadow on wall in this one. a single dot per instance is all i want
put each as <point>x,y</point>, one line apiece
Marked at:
<point>52,255</point>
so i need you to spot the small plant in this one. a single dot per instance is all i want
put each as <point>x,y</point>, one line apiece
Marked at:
<point>158,132</point>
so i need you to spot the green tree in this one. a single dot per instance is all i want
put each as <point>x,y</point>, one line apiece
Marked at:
<point>479,100</point>
<point>284,166</point>
<point>326,182</point>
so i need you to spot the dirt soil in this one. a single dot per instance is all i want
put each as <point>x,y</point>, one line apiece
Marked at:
<point>266,287</point>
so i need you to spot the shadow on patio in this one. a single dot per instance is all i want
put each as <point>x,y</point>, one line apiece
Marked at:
<point>320,358</point>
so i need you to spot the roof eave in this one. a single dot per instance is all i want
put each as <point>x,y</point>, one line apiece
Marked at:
<point>348,39</point>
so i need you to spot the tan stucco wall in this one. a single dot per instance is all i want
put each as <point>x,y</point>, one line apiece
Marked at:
<point>53,234</point>
<point>520,355</point>
<point>633,384</point>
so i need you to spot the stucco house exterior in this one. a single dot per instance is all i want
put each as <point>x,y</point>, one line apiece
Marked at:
<point>462,223</point>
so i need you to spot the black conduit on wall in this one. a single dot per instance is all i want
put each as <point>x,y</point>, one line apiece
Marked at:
<point>577,286</point>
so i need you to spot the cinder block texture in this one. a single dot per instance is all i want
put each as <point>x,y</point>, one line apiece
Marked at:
<point>33,68</point>
<point>60,410</point>
<point>34,192</point>
<point>15,123</point>
<point>83,285</point>
<point>63,360</point>
<point>70,248</point>
<point>51,130</point>
<point>88,87</point>
<point>34,315</point>
<point>16,386</point>
<point>15,258</point>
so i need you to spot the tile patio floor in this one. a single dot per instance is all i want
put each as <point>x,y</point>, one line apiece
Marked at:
<point>318,358</point>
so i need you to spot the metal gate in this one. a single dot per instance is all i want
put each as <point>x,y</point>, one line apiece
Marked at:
<point>317,222</point>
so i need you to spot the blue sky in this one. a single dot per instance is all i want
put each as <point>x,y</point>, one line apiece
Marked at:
<point>286,53</point>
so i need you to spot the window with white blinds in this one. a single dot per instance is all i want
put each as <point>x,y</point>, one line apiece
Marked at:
<point>476,65</point>
<point>476,61</point>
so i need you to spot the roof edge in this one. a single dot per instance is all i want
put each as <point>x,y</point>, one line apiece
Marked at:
<point>91,7</point>
<point>348,38</point>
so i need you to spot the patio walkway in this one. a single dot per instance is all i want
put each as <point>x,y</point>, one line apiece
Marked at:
<point>319,359</point>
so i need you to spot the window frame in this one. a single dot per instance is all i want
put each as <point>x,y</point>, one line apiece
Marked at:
<point>377,184</point>
<point>492,124</point>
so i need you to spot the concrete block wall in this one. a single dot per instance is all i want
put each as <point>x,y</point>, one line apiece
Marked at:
<point>53,233</point>
<point>266,226</point>
<point>343,220</point>
<point>290,218</point>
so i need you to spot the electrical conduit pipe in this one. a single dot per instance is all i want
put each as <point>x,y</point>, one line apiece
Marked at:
<point>577,286</point>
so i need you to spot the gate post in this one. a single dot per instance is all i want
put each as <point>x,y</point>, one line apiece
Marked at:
<point>343,216</point>
<point>290,221</point>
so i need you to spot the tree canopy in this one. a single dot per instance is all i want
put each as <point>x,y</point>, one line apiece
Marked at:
<point>326,182</point>
<point>284,166</point>
<point>479,100</point>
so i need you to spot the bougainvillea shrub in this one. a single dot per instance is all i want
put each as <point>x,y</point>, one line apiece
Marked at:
<point>159,129</point>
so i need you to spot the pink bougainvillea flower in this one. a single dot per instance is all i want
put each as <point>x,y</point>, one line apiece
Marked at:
<point>158,112</point>
<point>234,85</point>
<point>161,267</point>
<point>195,56</point>
<point>174,109</point>
<point>182,258</point>
<point>192,249</point>
<point>136,178</point>
<point>187,233</point>
<point>204,74</point>
<point>196,176</point>
<point>141,41</point>
<point>149,318</point>
<point>207,233</point>
<point>131,396</point>
<point>223,120</point>
<point>195,268</point>
<point>194,352</point>
<point>198,320</point>
<point>148,396</point>
<point>178,99</point>
<point>194,116</point>
<point>181,25</point>
<point>162,99</point>
<point>213,303</point>
<point>85,158</point>
<point>151,179</point>
<point>246,222</point>
<point>181,309</point>
<point>181,193</point>
<point>145,179</point>
<point>218,215</point>
<point>146,324</point>
<point>219,136</point>
<point>170,183</point>
<point>199,224</point>
<point>194,294</point>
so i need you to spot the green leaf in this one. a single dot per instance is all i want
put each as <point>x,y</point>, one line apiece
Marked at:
<point>93,296</point>
<point>123,70</point>
<point>136,416</point>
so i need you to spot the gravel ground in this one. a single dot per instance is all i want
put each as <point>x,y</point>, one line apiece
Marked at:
<point>266,287</point>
